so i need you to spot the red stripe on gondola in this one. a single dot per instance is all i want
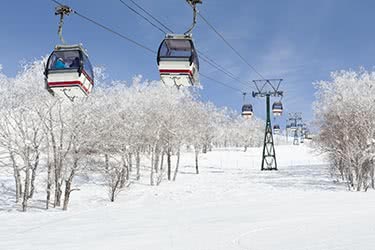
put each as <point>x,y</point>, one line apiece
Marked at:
<point>176,71</point>
<point>88,77</point>
<point>68,84</point>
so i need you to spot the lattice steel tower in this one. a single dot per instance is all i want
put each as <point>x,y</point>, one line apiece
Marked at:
<point>295,124</point>
<point>268,88</point>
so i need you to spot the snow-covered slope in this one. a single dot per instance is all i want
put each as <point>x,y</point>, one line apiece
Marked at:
<point>230,205</point>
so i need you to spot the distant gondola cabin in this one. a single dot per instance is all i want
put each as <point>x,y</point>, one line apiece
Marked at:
<point>276,129</point>
<point>277,108</point>
<point>247,111</point>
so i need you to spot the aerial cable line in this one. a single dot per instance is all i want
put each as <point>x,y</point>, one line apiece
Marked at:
<point>118,34</point>
<point>150,15</point>
<point>145,18</point>
<point>212,63</point>
<point>221,68</point>
<point>109,29</point>
<point>133,41</point>
<point>215,63</point>
<point>222,83</point>
<point>204,57</point>
<point>230,45</point>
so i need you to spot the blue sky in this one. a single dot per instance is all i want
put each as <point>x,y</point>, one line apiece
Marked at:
<point>298,40</point>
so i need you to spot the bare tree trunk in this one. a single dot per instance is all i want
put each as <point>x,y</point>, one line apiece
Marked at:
<point>156,159</point>
<point>62,156</point>
<point>138,164</point>
<point>169,162</point>
<point>162,170</point>
<point>372,173</point>
<point>58,192</point>
<point>350,178</point>
<point>68,186</point>
<point>204,151</point>
<point>130,162</point>
<point>33,175</point>
<point>49,183</point>
<point>124,173</point>
<point>26,191</point>
<point>17,178</point>
<point>162,161</point>
<point>358,179</point>
<point>124,176</point>
<point>114,190</point>
<point>115,184</point>
<point>56,165</point>
<point>58,182</point>
<point>177,165</point>
<point>66,194</point>
<point>152,168</point>
<point>196,160</point>
<point>106,160</point>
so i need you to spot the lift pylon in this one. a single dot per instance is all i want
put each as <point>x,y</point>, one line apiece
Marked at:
<point>268,88</point>
<point>295,124</point>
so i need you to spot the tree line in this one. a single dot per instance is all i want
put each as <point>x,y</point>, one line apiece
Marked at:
<point>121,130</point>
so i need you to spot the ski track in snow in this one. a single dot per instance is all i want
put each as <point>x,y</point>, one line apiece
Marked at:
<point>230,205</point>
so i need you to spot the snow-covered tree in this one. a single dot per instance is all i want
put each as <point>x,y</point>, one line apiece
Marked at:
<point>121,130</point>
<point>344,112</point>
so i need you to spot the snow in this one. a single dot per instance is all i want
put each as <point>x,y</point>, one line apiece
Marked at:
<point>231,204</point>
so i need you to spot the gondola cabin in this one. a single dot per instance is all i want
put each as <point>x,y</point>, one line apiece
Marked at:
<point>276,129</point>
<point>277,108</point>
<point>292,127</point>
<point>178,61</point>
<point>247,111</point>
<point>69,73</point>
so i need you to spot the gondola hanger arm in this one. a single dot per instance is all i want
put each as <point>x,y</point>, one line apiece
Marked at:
<point>62,10</point>
<point>193,4</point>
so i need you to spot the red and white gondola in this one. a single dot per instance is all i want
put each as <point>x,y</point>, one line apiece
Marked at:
<point>178,61</point>
<point>247,111</point>
<point>277,108</point>
<point>68,72</point>
<point>276,129</point>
